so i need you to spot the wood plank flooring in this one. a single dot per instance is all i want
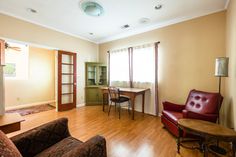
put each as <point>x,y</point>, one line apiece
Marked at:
<point>142,137</point>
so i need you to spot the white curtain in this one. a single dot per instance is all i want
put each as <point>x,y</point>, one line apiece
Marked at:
<point>144,75</point>
<point>119,68</point>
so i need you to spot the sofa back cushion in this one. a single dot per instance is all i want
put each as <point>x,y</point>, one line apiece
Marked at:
<point>34,141</point>
<point>7,148</point>
<point>203,102</point>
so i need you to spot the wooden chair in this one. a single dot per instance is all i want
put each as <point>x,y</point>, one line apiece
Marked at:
<point>116,98</point>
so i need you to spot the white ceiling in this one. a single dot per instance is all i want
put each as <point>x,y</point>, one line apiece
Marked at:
<point>66,15</point>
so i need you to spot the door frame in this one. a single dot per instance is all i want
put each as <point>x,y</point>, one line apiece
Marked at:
<point>2,84</point>
<point>68,106</point>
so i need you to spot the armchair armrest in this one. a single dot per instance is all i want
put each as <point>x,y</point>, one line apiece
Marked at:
<point>173,107</point>
<point>194,115</point>
<point>36,140</point>
<point>94,147</point>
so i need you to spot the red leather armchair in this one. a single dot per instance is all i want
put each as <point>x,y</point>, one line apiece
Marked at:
<point>199,105</point>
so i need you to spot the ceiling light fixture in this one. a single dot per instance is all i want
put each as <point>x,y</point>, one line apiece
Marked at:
<point>158,7</point>
<point>144,20</point>
<point>92,8</point>
<point>31,10</point>
<point>125,26</point>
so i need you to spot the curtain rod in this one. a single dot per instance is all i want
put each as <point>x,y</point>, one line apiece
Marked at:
<point>158,42</point>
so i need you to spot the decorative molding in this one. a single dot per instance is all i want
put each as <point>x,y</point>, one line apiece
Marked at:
<point>48,27</point>
<point>130,32</point>
<point>155,26</point>
<point>29,43</point>
<point>227,4</point>
<point>31,104</point>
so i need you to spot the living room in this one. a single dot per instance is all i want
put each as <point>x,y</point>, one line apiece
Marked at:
<point>184,45</point>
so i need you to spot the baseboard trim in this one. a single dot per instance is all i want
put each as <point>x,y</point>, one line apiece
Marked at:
<point>31,104</point>
<point>80,105</point>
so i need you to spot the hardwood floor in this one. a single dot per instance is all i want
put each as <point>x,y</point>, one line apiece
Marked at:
<point>142,137</point>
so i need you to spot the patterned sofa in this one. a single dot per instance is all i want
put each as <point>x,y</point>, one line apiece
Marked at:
<point>54,140</point>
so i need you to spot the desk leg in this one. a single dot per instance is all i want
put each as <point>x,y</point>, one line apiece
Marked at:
<point>132,99</point>
<point>104,100</point>
<point>143,101</point>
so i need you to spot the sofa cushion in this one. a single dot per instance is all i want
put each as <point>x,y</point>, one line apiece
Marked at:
<point>172,116</point>
<point>7,148</point>
<point>34,141</point>
<point>94,147</point>
<point>203,102</point>
<point>60,148</point>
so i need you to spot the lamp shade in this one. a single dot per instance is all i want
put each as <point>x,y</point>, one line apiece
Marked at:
<point>221,67</point>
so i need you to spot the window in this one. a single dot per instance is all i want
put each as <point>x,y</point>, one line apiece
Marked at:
<point>10,70</point>
<point>16,58</point>
<point>136,67</point>
<point>119,67</point>
<point>144,64</point>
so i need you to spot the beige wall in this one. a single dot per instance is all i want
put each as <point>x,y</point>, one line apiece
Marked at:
<point>186,56</point>
<point>231,53</point>
<point>40,84</point>
<point>16,29</point>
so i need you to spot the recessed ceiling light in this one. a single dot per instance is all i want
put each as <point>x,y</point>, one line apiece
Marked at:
<point>125,26</point>
<point>92,8</point>
<point>144,20</point>
<point>158,7</point>
<point>31,10</point>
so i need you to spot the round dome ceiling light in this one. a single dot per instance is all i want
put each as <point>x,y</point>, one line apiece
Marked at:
<point>92,8</point>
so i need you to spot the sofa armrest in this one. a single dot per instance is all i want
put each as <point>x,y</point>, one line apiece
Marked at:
<point>173,107</point>
<point>94,147</point>
<point>36,140</point>
<point>194,115</point>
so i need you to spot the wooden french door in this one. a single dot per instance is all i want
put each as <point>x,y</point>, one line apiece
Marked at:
<point>66,80</point>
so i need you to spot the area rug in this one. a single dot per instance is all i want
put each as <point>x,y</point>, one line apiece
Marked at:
<point>32,109</point>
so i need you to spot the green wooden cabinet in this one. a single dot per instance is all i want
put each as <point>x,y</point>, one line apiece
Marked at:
<point>96,77</point>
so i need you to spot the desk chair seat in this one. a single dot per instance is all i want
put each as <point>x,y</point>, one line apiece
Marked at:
<point>120,100</point>
<point>116,98</point>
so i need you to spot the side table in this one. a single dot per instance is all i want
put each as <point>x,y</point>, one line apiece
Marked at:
<point>207,131</point>
<point>10,122</point>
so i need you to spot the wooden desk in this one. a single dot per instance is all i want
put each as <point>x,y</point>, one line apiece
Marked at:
<point>130,92</point>
<point>10,122</point>
<point>208,131</point>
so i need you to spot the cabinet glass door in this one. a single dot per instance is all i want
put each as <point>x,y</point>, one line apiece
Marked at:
<point>91,75</point>
<point>102,75</point>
